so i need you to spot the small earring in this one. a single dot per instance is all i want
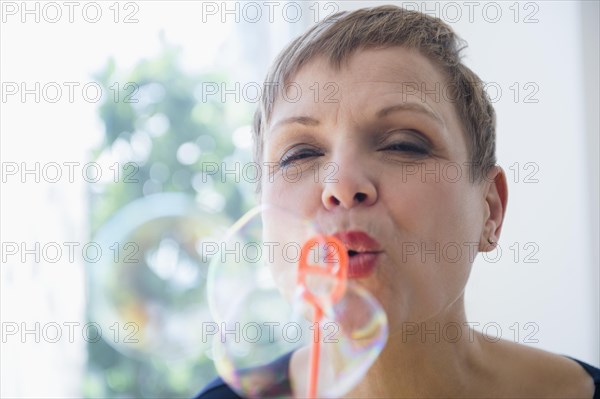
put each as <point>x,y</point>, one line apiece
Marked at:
<point>490,241</point>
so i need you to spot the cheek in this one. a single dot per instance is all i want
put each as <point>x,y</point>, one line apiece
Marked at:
<point>461,213</point>
<point>414,206</point>
<point>434,210</point>
<point>293,191</point>
<point>438,227</point>
<point>429,268</point>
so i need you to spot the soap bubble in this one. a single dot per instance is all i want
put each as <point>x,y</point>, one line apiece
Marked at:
<point>264,333</point>
<point>148,290</point>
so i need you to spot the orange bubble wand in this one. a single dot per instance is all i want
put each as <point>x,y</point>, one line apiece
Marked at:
<point>333,247</point>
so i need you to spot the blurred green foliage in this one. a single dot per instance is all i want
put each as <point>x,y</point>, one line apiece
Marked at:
<point>150,112</point>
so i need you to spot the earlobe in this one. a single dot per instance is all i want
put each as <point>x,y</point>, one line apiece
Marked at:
<point>496,198</point>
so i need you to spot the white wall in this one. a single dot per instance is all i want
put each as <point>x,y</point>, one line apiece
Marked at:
<point>556,214</point>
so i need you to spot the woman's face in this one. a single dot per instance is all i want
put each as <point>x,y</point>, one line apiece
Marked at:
<point>377,148</point>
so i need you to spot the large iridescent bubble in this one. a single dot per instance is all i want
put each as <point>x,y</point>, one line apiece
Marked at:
<point>147,292</point>
<point>264,331</point>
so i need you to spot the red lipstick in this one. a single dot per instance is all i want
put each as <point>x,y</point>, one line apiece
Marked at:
<point>363,252</point>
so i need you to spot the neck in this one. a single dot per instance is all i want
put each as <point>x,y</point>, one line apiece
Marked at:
<point>433,358</point>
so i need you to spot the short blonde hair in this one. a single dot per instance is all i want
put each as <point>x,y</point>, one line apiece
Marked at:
<point>342,34</point>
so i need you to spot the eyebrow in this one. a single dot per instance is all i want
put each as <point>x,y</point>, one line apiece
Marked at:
<point>303,120</point>
<point>415,107</point>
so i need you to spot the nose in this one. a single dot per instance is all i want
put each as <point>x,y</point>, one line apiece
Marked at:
<point>349,187</point>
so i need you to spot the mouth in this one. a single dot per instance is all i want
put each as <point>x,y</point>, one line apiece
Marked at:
<point>363,253</point>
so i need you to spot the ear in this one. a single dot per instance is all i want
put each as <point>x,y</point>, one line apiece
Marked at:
<point>496,197</point>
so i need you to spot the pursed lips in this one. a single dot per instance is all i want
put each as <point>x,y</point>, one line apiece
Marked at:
<point>363,251</point>
<point>358,242</point>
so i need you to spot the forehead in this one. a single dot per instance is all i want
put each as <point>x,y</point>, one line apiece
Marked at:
<point>370,79</point>
<point>387,65</point>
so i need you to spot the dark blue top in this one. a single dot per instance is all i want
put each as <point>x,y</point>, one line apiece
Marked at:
<point>217,389</point>
<point>594,372</point>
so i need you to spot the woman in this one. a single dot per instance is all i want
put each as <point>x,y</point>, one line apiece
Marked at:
<point>386,99</point>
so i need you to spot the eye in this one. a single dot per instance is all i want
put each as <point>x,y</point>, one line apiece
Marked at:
<point>408,143</point>
<point>296,155</point>
<point>407,147</point>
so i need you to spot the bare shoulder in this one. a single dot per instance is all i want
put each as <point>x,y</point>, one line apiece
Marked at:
<point>534,372</point>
